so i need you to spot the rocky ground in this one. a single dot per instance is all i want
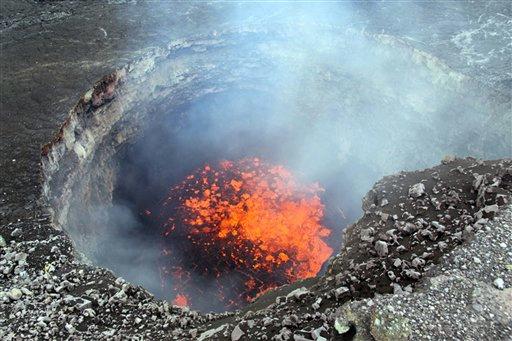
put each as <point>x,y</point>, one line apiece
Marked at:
<point>430,259</point>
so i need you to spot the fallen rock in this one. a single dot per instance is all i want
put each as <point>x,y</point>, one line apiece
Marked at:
<point>499,283</point>
<point>237,333</point>
<point>417,190</point>
<point>297,293</point>
<point>15,294</point>
<point>382,248</point>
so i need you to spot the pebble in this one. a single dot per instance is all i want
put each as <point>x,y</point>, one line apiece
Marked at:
<point>417,190</point>
<point>237,333</point>
<point>70,328</point>
<point>499,283</point>
<point>84,305</point>
<point>340,291</point>
<point>382,248</point>
<point>418,262</point>
<point>16,232</point>
<point>384,217</point>
<point>491,208</point>
<point>341,327</point>
<point>15,294</point>
<point>297,293</point>
<point>27,292</point>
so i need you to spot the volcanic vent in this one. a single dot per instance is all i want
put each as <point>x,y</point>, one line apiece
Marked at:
<point>218,167</point>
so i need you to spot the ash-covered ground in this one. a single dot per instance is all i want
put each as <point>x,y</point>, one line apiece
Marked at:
<point>430,258</point>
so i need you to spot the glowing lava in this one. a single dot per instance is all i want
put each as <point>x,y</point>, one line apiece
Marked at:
<point>250,218</point>
<point>180,300</point>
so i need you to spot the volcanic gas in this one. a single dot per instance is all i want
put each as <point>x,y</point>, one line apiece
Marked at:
<point>248,224</point>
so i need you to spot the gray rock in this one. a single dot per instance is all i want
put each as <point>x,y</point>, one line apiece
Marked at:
<point>297,337</point>
<point>382,248</point>
<point>297,293</point>
<point>26,291</point>
<point>439,227</point>
<point>341,326</point>
<point>491,208</point>
<point>316,334</point>
<point>417,190</point>
<point>366,235</point>
<point>499,283</point>
<point>340,291</point>
<point>15,294</point>
<point>85,304</point>
<point>237,333</point>
<point>316,304</point>
<point>418,262</point>
<point>16,232</point>
<point>70,328</point>
<point>412,274</point>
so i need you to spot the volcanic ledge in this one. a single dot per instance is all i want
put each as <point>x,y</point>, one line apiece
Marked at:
<point>430,258</point>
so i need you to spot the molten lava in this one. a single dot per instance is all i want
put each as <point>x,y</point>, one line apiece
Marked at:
<point>180,300</point>
<point>246,217</point>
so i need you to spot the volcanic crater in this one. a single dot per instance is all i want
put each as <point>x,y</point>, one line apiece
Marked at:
<point>312,128</point>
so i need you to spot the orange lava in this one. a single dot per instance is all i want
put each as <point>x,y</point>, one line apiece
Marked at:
<point>180,300</point>
<point>253,218</point>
